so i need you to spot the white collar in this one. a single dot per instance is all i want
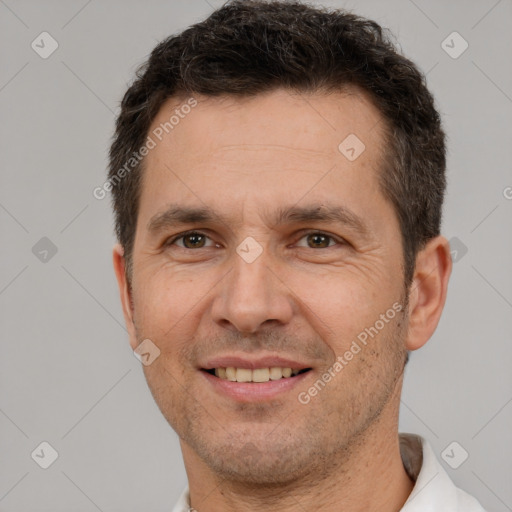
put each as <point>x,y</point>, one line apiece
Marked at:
<point>433,490</point>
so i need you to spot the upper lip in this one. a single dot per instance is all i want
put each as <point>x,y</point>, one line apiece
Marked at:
<point>254,362</point>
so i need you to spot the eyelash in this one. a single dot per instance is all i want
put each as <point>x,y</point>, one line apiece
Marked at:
<point>172,240</point>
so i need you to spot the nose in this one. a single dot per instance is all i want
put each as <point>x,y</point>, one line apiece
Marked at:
<point>252,297</point>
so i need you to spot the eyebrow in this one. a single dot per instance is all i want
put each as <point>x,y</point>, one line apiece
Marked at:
<point>176,215</point>
<point>322,213</point>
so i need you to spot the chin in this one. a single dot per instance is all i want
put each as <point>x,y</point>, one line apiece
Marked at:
<point>258,461</point>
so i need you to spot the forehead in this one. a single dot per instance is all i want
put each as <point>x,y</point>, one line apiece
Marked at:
<point>263,150</point>
<point>315,123</point>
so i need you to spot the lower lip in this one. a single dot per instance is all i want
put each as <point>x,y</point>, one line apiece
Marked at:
<point>254,391</point>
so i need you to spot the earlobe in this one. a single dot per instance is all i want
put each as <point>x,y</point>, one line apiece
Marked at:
<point>427,294</point>
<point>124,292</point>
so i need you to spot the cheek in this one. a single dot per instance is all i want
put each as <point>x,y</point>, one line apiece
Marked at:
<point>341,304</point>
<point>171,305</point>
<point>162,300</point>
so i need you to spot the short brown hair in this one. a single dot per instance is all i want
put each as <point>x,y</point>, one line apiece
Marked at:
<point>248,47</point>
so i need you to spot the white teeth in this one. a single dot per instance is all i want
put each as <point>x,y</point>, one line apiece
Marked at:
<point>243,375</point>
<point>230,374</point>
<point>257,375</point>
<point>260,375</point>
<point>276,373</point>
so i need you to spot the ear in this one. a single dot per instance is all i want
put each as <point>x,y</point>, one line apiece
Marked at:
<point>427,294</point>
<point>124,292</point>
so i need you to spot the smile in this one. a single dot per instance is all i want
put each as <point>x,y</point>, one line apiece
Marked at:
<point>258,375</point>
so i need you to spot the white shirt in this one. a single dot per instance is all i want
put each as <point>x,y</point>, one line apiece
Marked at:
<point>433,489</point>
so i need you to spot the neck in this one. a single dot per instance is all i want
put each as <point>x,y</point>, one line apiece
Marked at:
<point>370,477</point>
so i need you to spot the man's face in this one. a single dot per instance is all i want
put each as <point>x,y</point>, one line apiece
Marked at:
<point>299,254</point>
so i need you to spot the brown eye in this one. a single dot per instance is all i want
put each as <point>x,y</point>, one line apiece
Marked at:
<point>192,240</point>
<point>318,240</point>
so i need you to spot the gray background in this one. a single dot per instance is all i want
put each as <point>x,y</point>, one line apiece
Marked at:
<point>68,376</point>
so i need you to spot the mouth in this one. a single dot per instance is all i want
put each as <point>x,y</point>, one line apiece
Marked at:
<point>246,380</point>
<point>255,375</point>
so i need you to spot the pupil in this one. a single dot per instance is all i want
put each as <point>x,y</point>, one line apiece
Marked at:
<point>319,240</point>
<point>194,240</point>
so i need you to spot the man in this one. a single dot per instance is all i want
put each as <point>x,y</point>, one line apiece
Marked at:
<point>278,176</point>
